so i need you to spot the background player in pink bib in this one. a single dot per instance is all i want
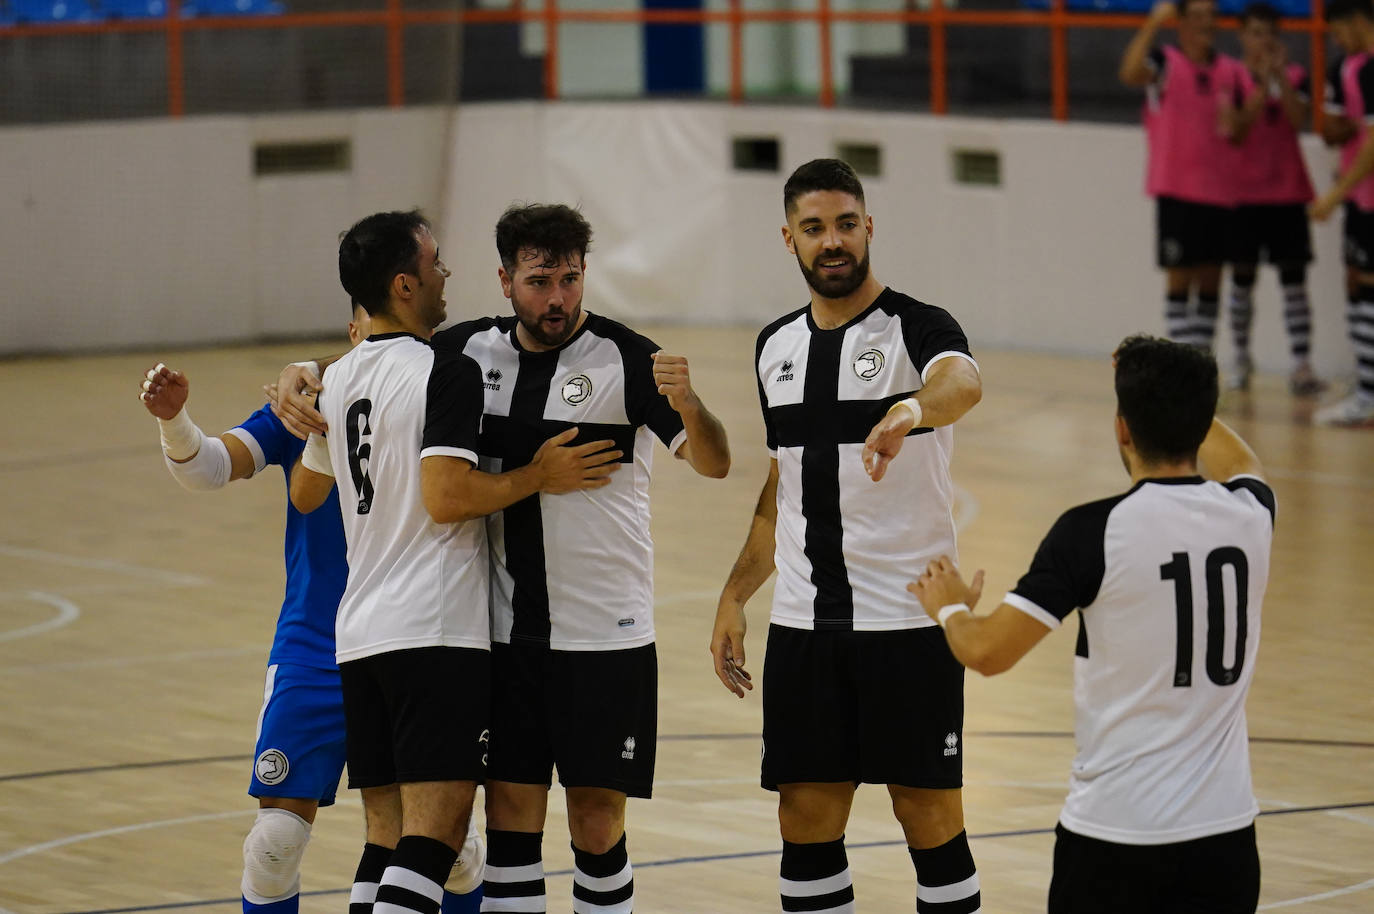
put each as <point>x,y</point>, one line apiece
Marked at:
<point>1352,22</point>
<point>1188,155</point>
<point>1272,190</point>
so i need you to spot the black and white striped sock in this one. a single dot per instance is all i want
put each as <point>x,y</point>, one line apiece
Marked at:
<point>1176,323</point>
<point>1297,315</point>
<point>414,879</point>
<point>946,878</point>
<point>1242,316</point>
<point>514,879</point>
<point>815,878</point>
<point>365,880</point>
<point>1205,320</point>
<point>603,883</point>
<point>1362,338</point>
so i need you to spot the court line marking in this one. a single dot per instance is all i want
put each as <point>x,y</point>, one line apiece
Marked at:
<point>59,665</point>
<point>67,613</point>
<point>172,578</point>
<point>665,737</point>
<point>675,861</point>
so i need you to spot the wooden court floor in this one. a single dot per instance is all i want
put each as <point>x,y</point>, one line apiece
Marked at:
<point>135,619</point>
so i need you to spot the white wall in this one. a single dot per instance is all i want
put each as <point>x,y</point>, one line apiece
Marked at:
<point>156,232</point>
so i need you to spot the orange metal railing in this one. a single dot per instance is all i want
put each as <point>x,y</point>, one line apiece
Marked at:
<point>394,18</point>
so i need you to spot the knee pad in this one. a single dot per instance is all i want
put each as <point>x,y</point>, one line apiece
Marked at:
<point>272,856</point>
<point>467,871</point>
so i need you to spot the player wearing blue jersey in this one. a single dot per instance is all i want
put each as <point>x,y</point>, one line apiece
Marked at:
<point>300,749</point>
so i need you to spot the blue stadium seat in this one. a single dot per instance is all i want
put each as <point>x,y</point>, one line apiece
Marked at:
<point>26,11</point>
<point>134,9</point>
<point>237,7</point>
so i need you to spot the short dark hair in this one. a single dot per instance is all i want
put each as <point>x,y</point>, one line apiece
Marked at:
<point>1184,4</point>
<point>374,250</point>
<point>552,230</point>
<point>1167,393</point>
<point>1338,10</point>
<point>821,174</point>
<point>1261,11</point>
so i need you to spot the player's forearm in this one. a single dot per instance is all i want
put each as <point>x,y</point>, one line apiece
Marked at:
<point>755,562</point>
<point>1224,454</point>
<point>1337,130</point>
<point>1294,107</point>
<point>949,394</point>
<point>976,642</point>
<point>1359,169</point>
<point>708,449</point>
<point>308,489</point>
<point>1134,70</point>
<point>453,493</point>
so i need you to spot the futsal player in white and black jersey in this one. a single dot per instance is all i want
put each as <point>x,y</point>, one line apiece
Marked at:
<point>412,632</point>
<point>1168,579</point>
<point>575,676</point>
<point>859,390</point>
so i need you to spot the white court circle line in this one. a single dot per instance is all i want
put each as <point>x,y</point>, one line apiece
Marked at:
<point>1322,896</point>
<point>67,613</point>
<point>173,578</point>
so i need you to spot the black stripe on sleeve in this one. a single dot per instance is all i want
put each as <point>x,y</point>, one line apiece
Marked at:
<point>453,403</point>
<point>1067,570</point>
<point>926,329</point>
<point>644,405</point>
<point>1258,488</point>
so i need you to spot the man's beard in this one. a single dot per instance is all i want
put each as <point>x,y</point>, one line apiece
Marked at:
<point>837,286</point>
<point>536,329</point>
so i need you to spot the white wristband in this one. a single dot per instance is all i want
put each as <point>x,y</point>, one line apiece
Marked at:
<point>952,609</point>
<point>912,404</point>
<point>316,455</point>
<point>181,438</point>
<point>312,366</point>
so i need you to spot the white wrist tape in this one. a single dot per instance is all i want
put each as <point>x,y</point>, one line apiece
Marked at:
<point>209,469</point>
<point>181,437</point>
<point>312,366</point>
<point>953,609</point>
<point>912,404</point>
<point>316,455</point>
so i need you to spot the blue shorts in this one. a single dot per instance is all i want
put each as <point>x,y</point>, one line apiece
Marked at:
<point>301,750</point>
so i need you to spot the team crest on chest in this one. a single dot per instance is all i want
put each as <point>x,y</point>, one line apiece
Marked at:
<point>868,364</point>
<point>576,389</point>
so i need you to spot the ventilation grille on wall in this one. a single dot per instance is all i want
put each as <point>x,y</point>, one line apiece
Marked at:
<point>302,157</point>
<point>979,167</point>
<point>865,158</point>
<point>755,153</point>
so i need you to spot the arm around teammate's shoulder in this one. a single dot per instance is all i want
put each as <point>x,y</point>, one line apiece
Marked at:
<point>1225,455</point>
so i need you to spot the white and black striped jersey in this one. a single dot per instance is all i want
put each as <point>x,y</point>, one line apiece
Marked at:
<point>572,571</point>
<point>1169,579</point>
<point>389,403</point>
<point>847,546</point>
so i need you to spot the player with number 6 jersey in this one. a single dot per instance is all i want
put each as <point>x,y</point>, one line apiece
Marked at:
<point>1168,579</point>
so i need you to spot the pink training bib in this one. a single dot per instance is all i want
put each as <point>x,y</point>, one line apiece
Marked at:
<point>1356,108</point>
<point>1269,168</point>
<point>1189,158</point>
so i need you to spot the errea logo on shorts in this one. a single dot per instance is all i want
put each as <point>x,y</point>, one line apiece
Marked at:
<point>952,744</point>
<point>629,752</point>
<point>272,767</point>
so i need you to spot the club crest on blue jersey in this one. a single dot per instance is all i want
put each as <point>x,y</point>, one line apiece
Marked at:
<point>576,389</point>
<point>868,364</point>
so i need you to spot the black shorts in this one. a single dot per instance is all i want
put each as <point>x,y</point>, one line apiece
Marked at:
<point>1358,238</point>
<point>1190,234</point>
<point>1279,234</point>
<point>864,707</point>
<point>417,715</point>
<point>591,714</point>
<point>1219,874</point>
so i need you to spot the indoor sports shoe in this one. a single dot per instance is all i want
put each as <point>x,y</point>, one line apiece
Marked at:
<point>466,875</point>
<point>1352,412</point>
<point>1240,374</point>
<point>1303,383</point>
